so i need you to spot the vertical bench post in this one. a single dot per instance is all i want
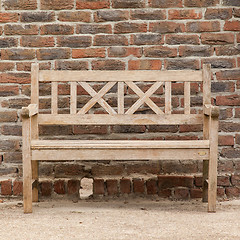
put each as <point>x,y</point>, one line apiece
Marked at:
<point>34,125</point>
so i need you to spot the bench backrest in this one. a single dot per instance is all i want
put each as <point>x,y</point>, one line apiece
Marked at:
<point>119,115</point>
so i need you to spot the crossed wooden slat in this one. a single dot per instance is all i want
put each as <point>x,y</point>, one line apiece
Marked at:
<point>144,97</point>
<point>97,97</point>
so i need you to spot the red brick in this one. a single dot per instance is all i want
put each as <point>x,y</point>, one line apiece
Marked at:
<point>200,3</point>
<point>181,193</point>
<point>160,51</point>
<point>232,26</point>
<point>218,13</point>
<point>182,39</point>
<point>108,65</point>
<point>73,187</point>
<point>125,186</point>
<point>223,181</point>
<point>220,192</point>
<point>229,126</point>
<point>18,54</point>
<point>57,4</point>
<point>142,168</point>
<point>88,53</point>
<point>74,41</point>
<point>225,140</point>
<point>164,193</point>
<point>124,52</point>
<point>128,27</point>
<point>107,170</point>
<point>166,27</point>
<point>17,188</point>
<point>6,187</point>
<point>8,42</point>
<point>238,61</point>
<point>92,4</point>
<point>138,186</point>
<point>8,116</point>
<point>237,138</point>
<point>37,41</point>
<point>53,53</point>
<point>184,14</point>
<point>57,29</point>
<point>8,17</point>
<point>98,187</point>
<point>230,100</point>
<point>14,130</point>
<point>225,113</point>
<point>20,4</point>
<point>112,187</point>
<point>12,157</point>
<point>195,193</point>
<point>146,39</point>
<point>228,75</point>
<point>196,27</point>
<point>220,62</point>
<point>217,38</point>
<point>59,187</point>
<point>26,67</point>
<point>236,12</point>
<point>230,153</point>
<point>165,3</point>
<point>13,29</point>
<point>237,113</point>
<point>227,50</point>
<point>176,64</point>
<point>198,181</point>
<point>111,15</point>
<point>100,129</point>
<point>93,28</point>
<point>201,51</point>
<point>76,16</point>
<point>148,14</point>
<point>110,40</point>
<point>235,179</point>
<point>231,3</point>
<point>71,65</point>
<point>145,64</point>
<point>185,167</point>
<point>225,166</point>
<point>37,17</point>
<point>128,3</point>
<point>152,186</point>
<point>175,181</point>
<point>6,66</point>
<point>233,192</point>
<point>46,188</point>
<point>190,128</point>
<point>68,170</point>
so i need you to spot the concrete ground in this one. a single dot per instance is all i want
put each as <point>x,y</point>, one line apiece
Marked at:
<point>119,219</point>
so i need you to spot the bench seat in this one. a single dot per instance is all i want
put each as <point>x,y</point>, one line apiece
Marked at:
<point>57,150</point>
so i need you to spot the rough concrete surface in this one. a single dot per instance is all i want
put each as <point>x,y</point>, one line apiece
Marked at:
<point>119,219</point>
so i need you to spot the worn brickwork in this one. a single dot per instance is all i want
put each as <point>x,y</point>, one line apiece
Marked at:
<point>120,35</point>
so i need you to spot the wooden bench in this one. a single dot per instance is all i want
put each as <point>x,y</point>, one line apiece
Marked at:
<point>35,150</point>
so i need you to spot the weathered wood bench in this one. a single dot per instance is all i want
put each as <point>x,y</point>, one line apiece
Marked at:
<point>35,150</point>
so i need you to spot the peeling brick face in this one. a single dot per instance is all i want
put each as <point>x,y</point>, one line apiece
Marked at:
<point>120,35</point>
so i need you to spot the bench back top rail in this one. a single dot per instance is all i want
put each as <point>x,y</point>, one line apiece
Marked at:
<point>120,78</point>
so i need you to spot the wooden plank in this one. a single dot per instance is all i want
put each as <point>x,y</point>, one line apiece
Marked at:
<point>54,109</point>
<point>27,170</point>
<point>101,101</point>
<point>109,144</point>
<point>147,100</point>
<point>168,97</point>
<point>120,97</point>
<point>116,76</point>
<point>120,119</point>
<point>34,121</point>
<point>213,161</point>
<point>73,98</point>
<point>206,75</point>
<point>96,98</point>
<point>187,92</point>
<point>120,154</point>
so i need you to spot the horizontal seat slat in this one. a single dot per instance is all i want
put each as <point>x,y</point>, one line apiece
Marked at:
<point>119,76</point>
<point>117,144</point>
<point>120,119</point>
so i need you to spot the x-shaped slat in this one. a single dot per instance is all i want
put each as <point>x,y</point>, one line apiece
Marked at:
<point>144,97</point>
<point>97,97</point>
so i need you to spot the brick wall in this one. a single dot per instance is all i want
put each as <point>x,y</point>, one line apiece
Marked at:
<point>121,35</point>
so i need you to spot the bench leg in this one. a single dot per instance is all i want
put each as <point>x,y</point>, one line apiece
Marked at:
<point>27,169</point>
<point>35,181</point>
<point>212,176</point>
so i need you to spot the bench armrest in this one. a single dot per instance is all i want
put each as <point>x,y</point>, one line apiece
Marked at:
<point>29,111</point>
<point>210,110</point>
